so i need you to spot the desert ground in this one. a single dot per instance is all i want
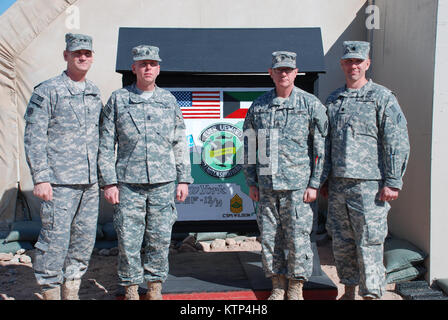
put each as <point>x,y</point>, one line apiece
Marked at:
<point>17,280</point>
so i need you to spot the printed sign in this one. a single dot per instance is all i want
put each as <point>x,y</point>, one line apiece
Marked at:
<point>220,145</point>
<point>214,120</point>
<point>222,201</point>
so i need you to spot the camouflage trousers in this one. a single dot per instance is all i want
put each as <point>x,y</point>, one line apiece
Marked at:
<point>67,236</point>
<point>357,222</point>
<point>144,219</point>
<point>285,223</point>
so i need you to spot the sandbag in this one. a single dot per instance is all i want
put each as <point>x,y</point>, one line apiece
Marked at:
<point>24,231</point>
<point>13,247</point>
<point>406,274</point>
<point>400,254</point>
<point>29,231</point>
<point>203,236</point>
<point>232,235</point>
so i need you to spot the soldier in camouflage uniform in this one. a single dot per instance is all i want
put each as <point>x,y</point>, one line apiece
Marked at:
<point>147,125</point>
<point>288,126</point>
<point>369,151</point>
<point>61,145</point>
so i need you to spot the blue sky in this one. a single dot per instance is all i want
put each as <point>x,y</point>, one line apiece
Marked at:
<point>5,4</point>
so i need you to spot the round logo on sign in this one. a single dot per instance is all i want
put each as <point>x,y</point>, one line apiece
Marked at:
<point>221,150</point>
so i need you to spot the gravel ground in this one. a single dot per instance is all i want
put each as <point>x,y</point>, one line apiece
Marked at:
<point>17,280</point>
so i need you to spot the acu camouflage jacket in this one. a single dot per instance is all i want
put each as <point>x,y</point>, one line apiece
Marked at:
<point>61,132</point>
<point>368,136</point>
<point>150,137</point>
<point>295,131</point>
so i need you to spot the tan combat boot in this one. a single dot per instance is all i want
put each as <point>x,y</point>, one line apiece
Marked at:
<point>52,294</point>
<point>131,292</point>
<point>70,289</point>
<point>279,286</point>
<point>349,293</point>
<point>154,291</point>
<point>295,290</point>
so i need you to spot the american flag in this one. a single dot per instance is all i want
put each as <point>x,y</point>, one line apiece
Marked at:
<point>199,104</point>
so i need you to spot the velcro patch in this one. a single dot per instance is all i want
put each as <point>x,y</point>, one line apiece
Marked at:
<point>391,111</point>
<point>396,115</point>
<point>37,99</point>
<point>107,110</point>
<point>29,112</point>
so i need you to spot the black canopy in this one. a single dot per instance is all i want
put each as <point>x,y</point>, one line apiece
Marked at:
<point>194,50</point>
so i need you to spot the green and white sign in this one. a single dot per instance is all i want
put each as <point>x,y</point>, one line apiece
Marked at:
<point>214,119</point>
<point>222,142</point>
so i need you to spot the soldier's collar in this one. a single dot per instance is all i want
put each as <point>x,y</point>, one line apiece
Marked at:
<point>74,90</point>
<point>356,92</point>
<point>91,89</point>
<point>284,102</point>
<point>134,97</point>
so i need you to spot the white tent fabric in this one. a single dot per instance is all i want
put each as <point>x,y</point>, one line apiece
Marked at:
<point>20,26</point>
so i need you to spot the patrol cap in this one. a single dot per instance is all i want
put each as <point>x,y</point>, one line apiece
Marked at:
<point>356,50</point>
<point>76,41</point>
<point>145,52</point>
<point>283,59</point>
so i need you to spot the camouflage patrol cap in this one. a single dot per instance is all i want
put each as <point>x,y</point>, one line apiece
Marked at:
<point>76,41</point>
<point>145,52</point>
<point>356,50</point>
<point>283,59</point>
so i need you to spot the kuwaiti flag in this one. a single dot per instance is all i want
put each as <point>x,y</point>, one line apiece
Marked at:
<point>199,104</point>
<point>236,103</point>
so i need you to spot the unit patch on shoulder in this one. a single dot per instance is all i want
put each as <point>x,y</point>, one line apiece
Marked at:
<point>396,115</point>
<point>107,110</point>
<point>37,99</point>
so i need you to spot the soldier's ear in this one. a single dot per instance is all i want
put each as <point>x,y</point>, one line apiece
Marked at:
<point>65,54</point>
<point>133,68</point>
<point>368,64</point>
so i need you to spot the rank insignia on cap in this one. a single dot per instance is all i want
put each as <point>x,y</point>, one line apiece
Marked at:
<point>356,50</point>
<point>285,59</point>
